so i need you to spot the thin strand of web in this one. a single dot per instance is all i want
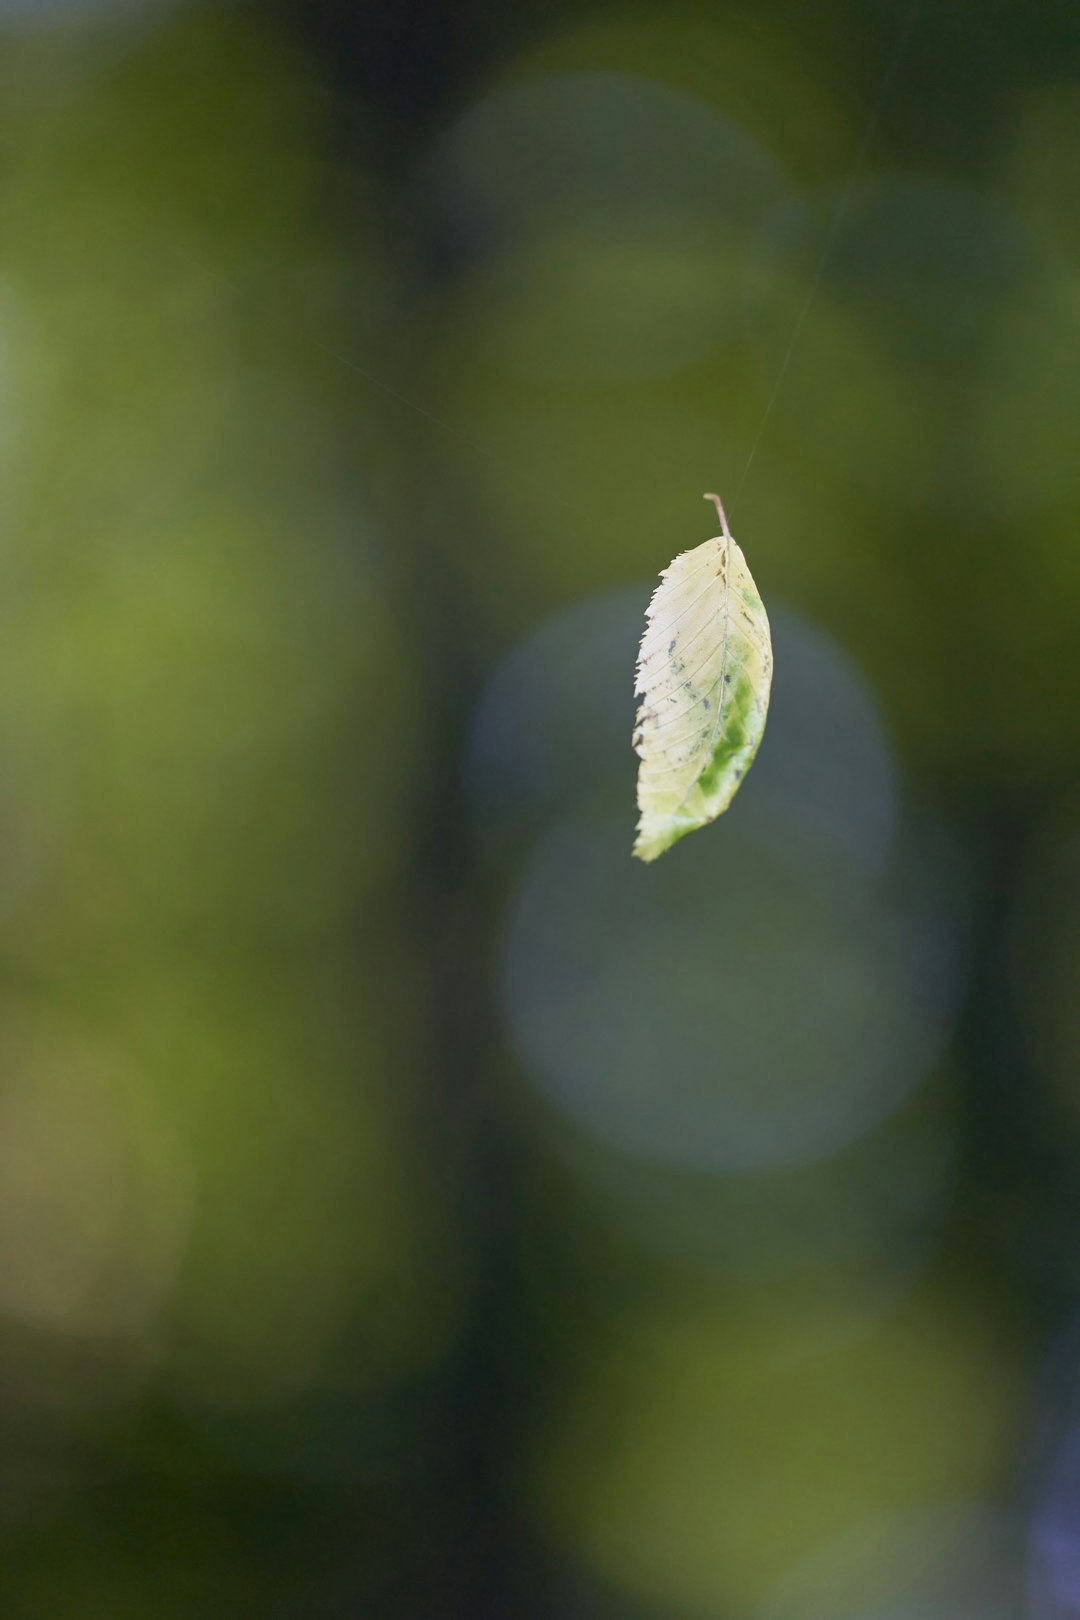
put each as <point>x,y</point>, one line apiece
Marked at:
<point>835,226</point>
<point>827,249</point>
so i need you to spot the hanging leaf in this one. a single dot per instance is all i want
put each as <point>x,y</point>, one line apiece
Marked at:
<point>703,672</point>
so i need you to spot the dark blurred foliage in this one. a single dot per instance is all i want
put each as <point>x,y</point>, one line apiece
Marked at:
<point>410,1207</point>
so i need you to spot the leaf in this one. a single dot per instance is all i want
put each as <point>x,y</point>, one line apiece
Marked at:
<point>704,670</point>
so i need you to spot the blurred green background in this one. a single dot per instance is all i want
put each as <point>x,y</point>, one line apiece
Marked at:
<point>410,1207</point>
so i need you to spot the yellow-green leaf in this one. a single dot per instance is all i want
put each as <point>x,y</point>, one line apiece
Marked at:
<point>704,671</point>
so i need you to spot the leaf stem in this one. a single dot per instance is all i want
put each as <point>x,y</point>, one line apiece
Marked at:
<point>720,510</point>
